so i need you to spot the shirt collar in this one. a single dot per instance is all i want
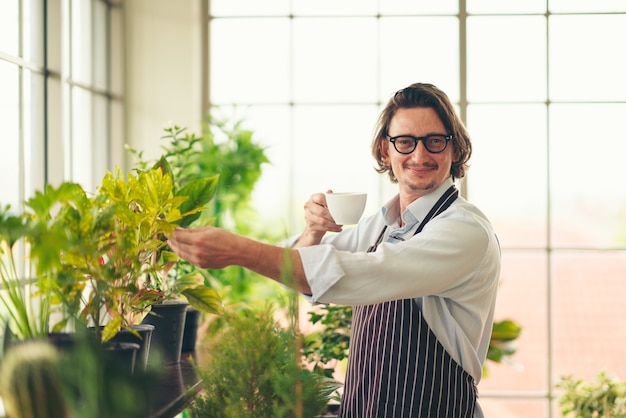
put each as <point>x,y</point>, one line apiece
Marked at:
<point>417,210</point>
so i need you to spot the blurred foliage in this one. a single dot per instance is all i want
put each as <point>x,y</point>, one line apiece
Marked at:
<point>256,371</point>
<point>225,148</point>
<point>331,343</point>
<point>605,397</point>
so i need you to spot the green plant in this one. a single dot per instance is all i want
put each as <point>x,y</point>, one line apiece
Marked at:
<point>605,397</point>
<point>330,344</point>
<point>30,382</point>
<point>256,371</point>
<point>227,149</point>
<point>104,253</point>
<point>27,309</point>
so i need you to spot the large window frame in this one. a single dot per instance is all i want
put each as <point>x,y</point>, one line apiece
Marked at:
<point>542,260</point>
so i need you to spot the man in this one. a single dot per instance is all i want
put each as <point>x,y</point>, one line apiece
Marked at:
<point>422,274</point>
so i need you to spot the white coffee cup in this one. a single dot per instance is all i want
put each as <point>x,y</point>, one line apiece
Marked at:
<point>346,208</point>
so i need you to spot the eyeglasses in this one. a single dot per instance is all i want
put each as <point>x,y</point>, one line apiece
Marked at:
<point>406,144</point>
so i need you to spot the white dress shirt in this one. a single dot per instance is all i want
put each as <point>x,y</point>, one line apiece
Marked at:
<point>451,268</point>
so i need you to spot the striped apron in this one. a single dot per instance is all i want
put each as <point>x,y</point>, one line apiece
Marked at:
<point>397,368</point>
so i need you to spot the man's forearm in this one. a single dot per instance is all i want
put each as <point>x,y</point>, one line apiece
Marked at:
<point>280,264</point>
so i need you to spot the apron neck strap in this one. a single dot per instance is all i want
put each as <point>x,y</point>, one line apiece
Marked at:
<point>442,204</point>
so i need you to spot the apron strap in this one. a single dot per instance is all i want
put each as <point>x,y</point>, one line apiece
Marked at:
<point>442,204</point>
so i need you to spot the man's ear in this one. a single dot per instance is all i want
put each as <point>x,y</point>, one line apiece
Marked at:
<point>384,151</point>
<point>456,155</point>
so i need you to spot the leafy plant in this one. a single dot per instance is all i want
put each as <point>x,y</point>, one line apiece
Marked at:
<point>227,149</point>
<point>325,347</point>
<point>254,372</point>
<point>605,397</point>
<point>27,309</point>
<point>104,253</point>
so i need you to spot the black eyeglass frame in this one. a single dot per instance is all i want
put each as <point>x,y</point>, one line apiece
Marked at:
<point>416,139</point>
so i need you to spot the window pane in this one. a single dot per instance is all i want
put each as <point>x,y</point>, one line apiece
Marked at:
<point>586,163</point>
<point>390,7</point>
<point>511,6</point>
<point>335,64</point>
<point>588,294</point>
<point>255,68</point>
<point>333,7</point>
<point>506,58</point>
<point>81,152</point>
<point>9,120</point>
<point>575,6</point>
<point>249,7</point>
<point>117,52</point>
<point>512,407</point>
<point>9,27</point>
<point>509,140</point>
<point>435,62</point>
<point>100,137</point>
<point>523,283</point>
<point>332,151</point>
<point>584,61</point>
<point>272,128</point>
<point>34,123</point>
<point>100,47</point>
<point>33,31</point>
<point>82,41</point>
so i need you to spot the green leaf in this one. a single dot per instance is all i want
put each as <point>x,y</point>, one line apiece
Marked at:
<point>199,192</point>
<point>111,329</point>
<point>204,299</point>
<point>506,330</point>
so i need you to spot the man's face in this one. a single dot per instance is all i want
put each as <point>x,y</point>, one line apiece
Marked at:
<point>421,171</point>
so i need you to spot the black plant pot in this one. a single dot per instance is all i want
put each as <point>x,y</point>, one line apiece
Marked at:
<point>144,340</point>
<point>190,334</point>
<point>123,355</point>
<point>168,319</point>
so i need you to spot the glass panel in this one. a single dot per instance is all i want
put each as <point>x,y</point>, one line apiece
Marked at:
<point>389,7</point>
<point>81,41</point>
<point>515,408</point>
<point>252,68</point>
<point>584,61</point>
<point>586,157</point>
<point>100,46</point>
<point>9,120</point>
<point>575,6</point>
<point>332,151</point>
<point>100,138</point>
<point>82,152</point>
<point>249,7</point>
<point>523,284</point>
<point>272,128</point>
<point>507,140</point>
<point>33,48</point>
<point>436,63</point>
<point>338,64</point>
<point>34,123</point>
<point>506,58</point>
<point>334,8</point>
<point>588,294</point>
<point>9,27</point>
<point>117,52</point>
<point>511,6</point>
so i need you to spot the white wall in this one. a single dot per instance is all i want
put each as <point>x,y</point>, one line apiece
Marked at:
<point>163,69</point>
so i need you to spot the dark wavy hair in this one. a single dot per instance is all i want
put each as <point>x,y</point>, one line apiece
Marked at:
<point>424,95</point>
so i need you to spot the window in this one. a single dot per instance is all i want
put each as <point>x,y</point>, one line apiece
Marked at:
<point>541,89</point>
<point>61,103</point>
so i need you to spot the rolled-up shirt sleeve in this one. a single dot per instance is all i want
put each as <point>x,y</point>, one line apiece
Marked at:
<point>440,261</point>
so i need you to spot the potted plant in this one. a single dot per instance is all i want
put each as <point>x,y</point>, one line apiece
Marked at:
<point>27,309</point>
<point>255,370</point>
<point>604,397</point>
<point>98,254</point>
